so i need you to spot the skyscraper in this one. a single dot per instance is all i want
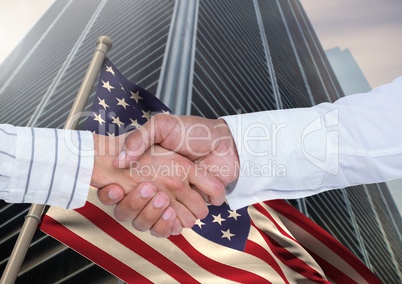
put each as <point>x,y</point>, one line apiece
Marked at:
<point>206,57</point>
<point>347,71</point>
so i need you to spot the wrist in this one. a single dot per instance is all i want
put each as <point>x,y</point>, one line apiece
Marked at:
<point>106,150</point>
<point>228,148</point>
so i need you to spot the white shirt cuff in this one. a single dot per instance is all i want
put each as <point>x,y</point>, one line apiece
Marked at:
<point>52,167</point>
<point>271,150</point>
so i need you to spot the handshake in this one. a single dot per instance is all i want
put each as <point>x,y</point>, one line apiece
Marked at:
<point>162,176</point>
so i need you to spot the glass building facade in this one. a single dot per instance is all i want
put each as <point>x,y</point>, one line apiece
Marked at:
<point>208,58</point>
<point>348,72</point>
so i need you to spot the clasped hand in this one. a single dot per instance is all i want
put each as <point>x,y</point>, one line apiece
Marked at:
<point>161,176</point>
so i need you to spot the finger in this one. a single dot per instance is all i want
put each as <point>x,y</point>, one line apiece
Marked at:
<point>110,194</point>
<point>177,228</point>
<point>164,226</point>
<point>208,185</point>
<point>193,202</point>
<point>159,129</point>
<point>134,202</point>
<point>184,215</point>
<point>152,212</point>
<point>204,196</point>
<point>137,143</point>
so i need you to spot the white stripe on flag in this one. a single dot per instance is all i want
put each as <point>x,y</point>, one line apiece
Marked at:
<point>316,246</point>
<point>287,242</point>
<point>235,258</point>
<point>99,238</point>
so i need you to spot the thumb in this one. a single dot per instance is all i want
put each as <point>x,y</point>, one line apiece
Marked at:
<point>110,194</point>
<point>135,144</point>
<point>157,130</point>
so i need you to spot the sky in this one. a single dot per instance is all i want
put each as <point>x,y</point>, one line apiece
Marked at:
<point>16,18</point>
<point>371,29</point>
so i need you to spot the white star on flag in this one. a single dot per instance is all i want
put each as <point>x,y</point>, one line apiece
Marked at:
<point>116,120</point>
<point>218,219</point>
<point>199,223</point>
<point>103,103</point>
<point>146,114</point>
<point>110,70</point>
<point>135,96</point>
<point>107,86</point>
<point>122,102</point>
<point>233,214</point>
<point>227,234</point>
<point>135,123</point>
<point>98,118</point>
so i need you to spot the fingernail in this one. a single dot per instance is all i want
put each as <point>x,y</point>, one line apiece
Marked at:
<point>167,214</point>
<point>176,233</point>
<point>122,155</point>
<point>120,162</point>
<point>159,201</point>
<point>114,193</point>
<point>147,191</point>
<point>121,159</point>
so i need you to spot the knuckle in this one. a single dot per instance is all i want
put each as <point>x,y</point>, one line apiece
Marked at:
<point>188,222</point>
<point>177,228</point>
<point>202,213</point>
<point>139,226</point>
<point>175,184</point>
<point>218,194</point>
<point>132,141</point>
<point>159,233</point>
<point>119,215</point>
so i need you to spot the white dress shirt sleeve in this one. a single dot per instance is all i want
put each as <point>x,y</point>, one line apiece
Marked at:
<point>301,152</point>
<point>45,166</point>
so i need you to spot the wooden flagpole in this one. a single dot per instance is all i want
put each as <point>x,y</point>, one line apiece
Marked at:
<point>33,218</point>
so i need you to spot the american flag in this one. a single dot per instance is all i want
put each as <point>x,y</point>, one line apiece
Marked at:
<point>120,105</point>
<point>270,242</point>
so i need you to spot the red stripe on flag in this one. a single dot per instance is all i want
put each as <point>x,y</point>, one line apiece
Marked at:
<point>332,272</point>
<point>90,251</point>
<point>291,213</point>
<point>125,237</point>
<point>295,263</point>
<point>260,252</point>
<point>263,211</point>
<point>218,268</point>
<point>288,258</point>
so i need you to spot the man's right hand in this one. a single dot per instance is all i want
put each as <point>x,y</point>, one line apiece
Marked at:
<point>207,142</point>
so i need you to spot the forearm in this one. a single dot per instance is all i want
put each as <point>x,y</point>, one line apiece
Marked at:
<point>272,163</point>
<point>302,152</point>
